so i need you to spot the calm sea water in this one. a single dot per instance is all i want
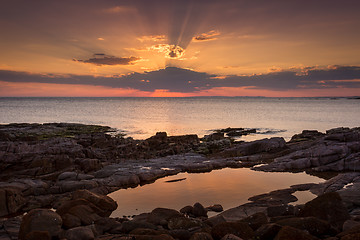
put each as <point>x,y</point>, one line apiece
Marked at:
<point>143,117</point>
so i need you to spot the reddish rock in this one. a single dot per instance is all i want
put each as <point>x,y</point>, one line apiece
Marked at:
<point>106,204</point>
<point>40,220</point>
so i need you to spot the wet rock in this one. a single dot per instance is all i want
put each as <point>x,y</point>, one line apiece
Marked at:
<point>238,133</point>
<point>80,233</point>
<point>199,210</point>
<point>215,208</point>
<point>287,233</point>
<point>312,225</point>
<point>320,208</point>
<point>267,231</point>
<point>239,229</point>
<point>40,220</point>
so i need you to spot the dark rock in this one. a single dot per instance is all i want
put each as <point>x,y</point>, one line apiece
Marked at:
<point>353,230</point>
<point>38,235</point>
<point>290,233</point>
<point>230,237</point>
<point>214,136</point>
<point>129,226</point>
<point>182,223</point>
<point>320,208</point>
<point>40,220</point>
<point>215,220</point>
<point>306,135</point>
<point>151,237</point>
<point>85,213</point>
<point>180,234</point>
<point>11,201</point>
<point>104,203</point>
<point>162,214</point>
<point>239,229</point>
<point>238,133</point>
<point>349,224</point>
<point>104,225</point>
<point>187,210</point>
<point>70,221</point>
<point>146,231</point>
<point>249,148</point>
<point>199,210</point>
<point>256,220</point>
<point>201,236</point>
<point>355,236</point>
<point>313,225</point>
<point>215,208</point>
<point>80,233</point>
<point>267,231</point>
<point>280,210</point>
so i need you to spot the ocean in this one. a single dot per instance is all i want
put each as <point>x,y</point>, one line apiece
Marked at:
<point>141,118</point>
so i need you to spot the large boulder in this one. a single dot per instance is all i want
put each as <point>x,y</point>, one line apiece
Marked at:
<point>161,216</point>
<point>328,207</point>
<point>40,220</point>
<point>106,204</point>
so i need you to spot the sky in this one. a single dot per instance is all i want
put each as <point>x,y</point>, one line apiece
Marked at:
<point>179,48</point>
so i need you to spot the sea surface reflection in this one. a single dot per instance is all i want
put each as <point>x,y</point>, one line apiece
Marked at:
<point>228,187</point>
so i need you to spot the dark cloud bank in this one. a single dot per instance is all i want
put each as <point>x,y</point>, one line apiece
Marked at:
<point>183,80</point>
<point>100,59</point>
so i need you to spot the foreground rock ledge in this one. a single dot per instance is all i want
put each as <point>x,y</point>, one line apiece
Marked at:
<point>43,166</point>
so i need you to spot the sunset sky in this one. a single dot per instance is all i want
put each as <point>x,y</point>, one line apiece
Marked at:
<point>179,48</point>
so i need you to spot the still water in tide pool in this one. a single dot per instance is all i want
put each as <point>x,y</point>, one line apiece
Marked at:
<point>228,187</point>
<point>143,117</point>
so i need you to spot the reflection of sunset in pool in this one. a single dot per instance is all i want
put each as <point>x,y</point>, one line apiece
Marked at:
<point>228,187</point>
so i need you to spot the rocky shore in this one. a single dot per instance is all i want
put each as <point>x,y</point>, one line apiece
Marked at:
<point>54,179</point>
